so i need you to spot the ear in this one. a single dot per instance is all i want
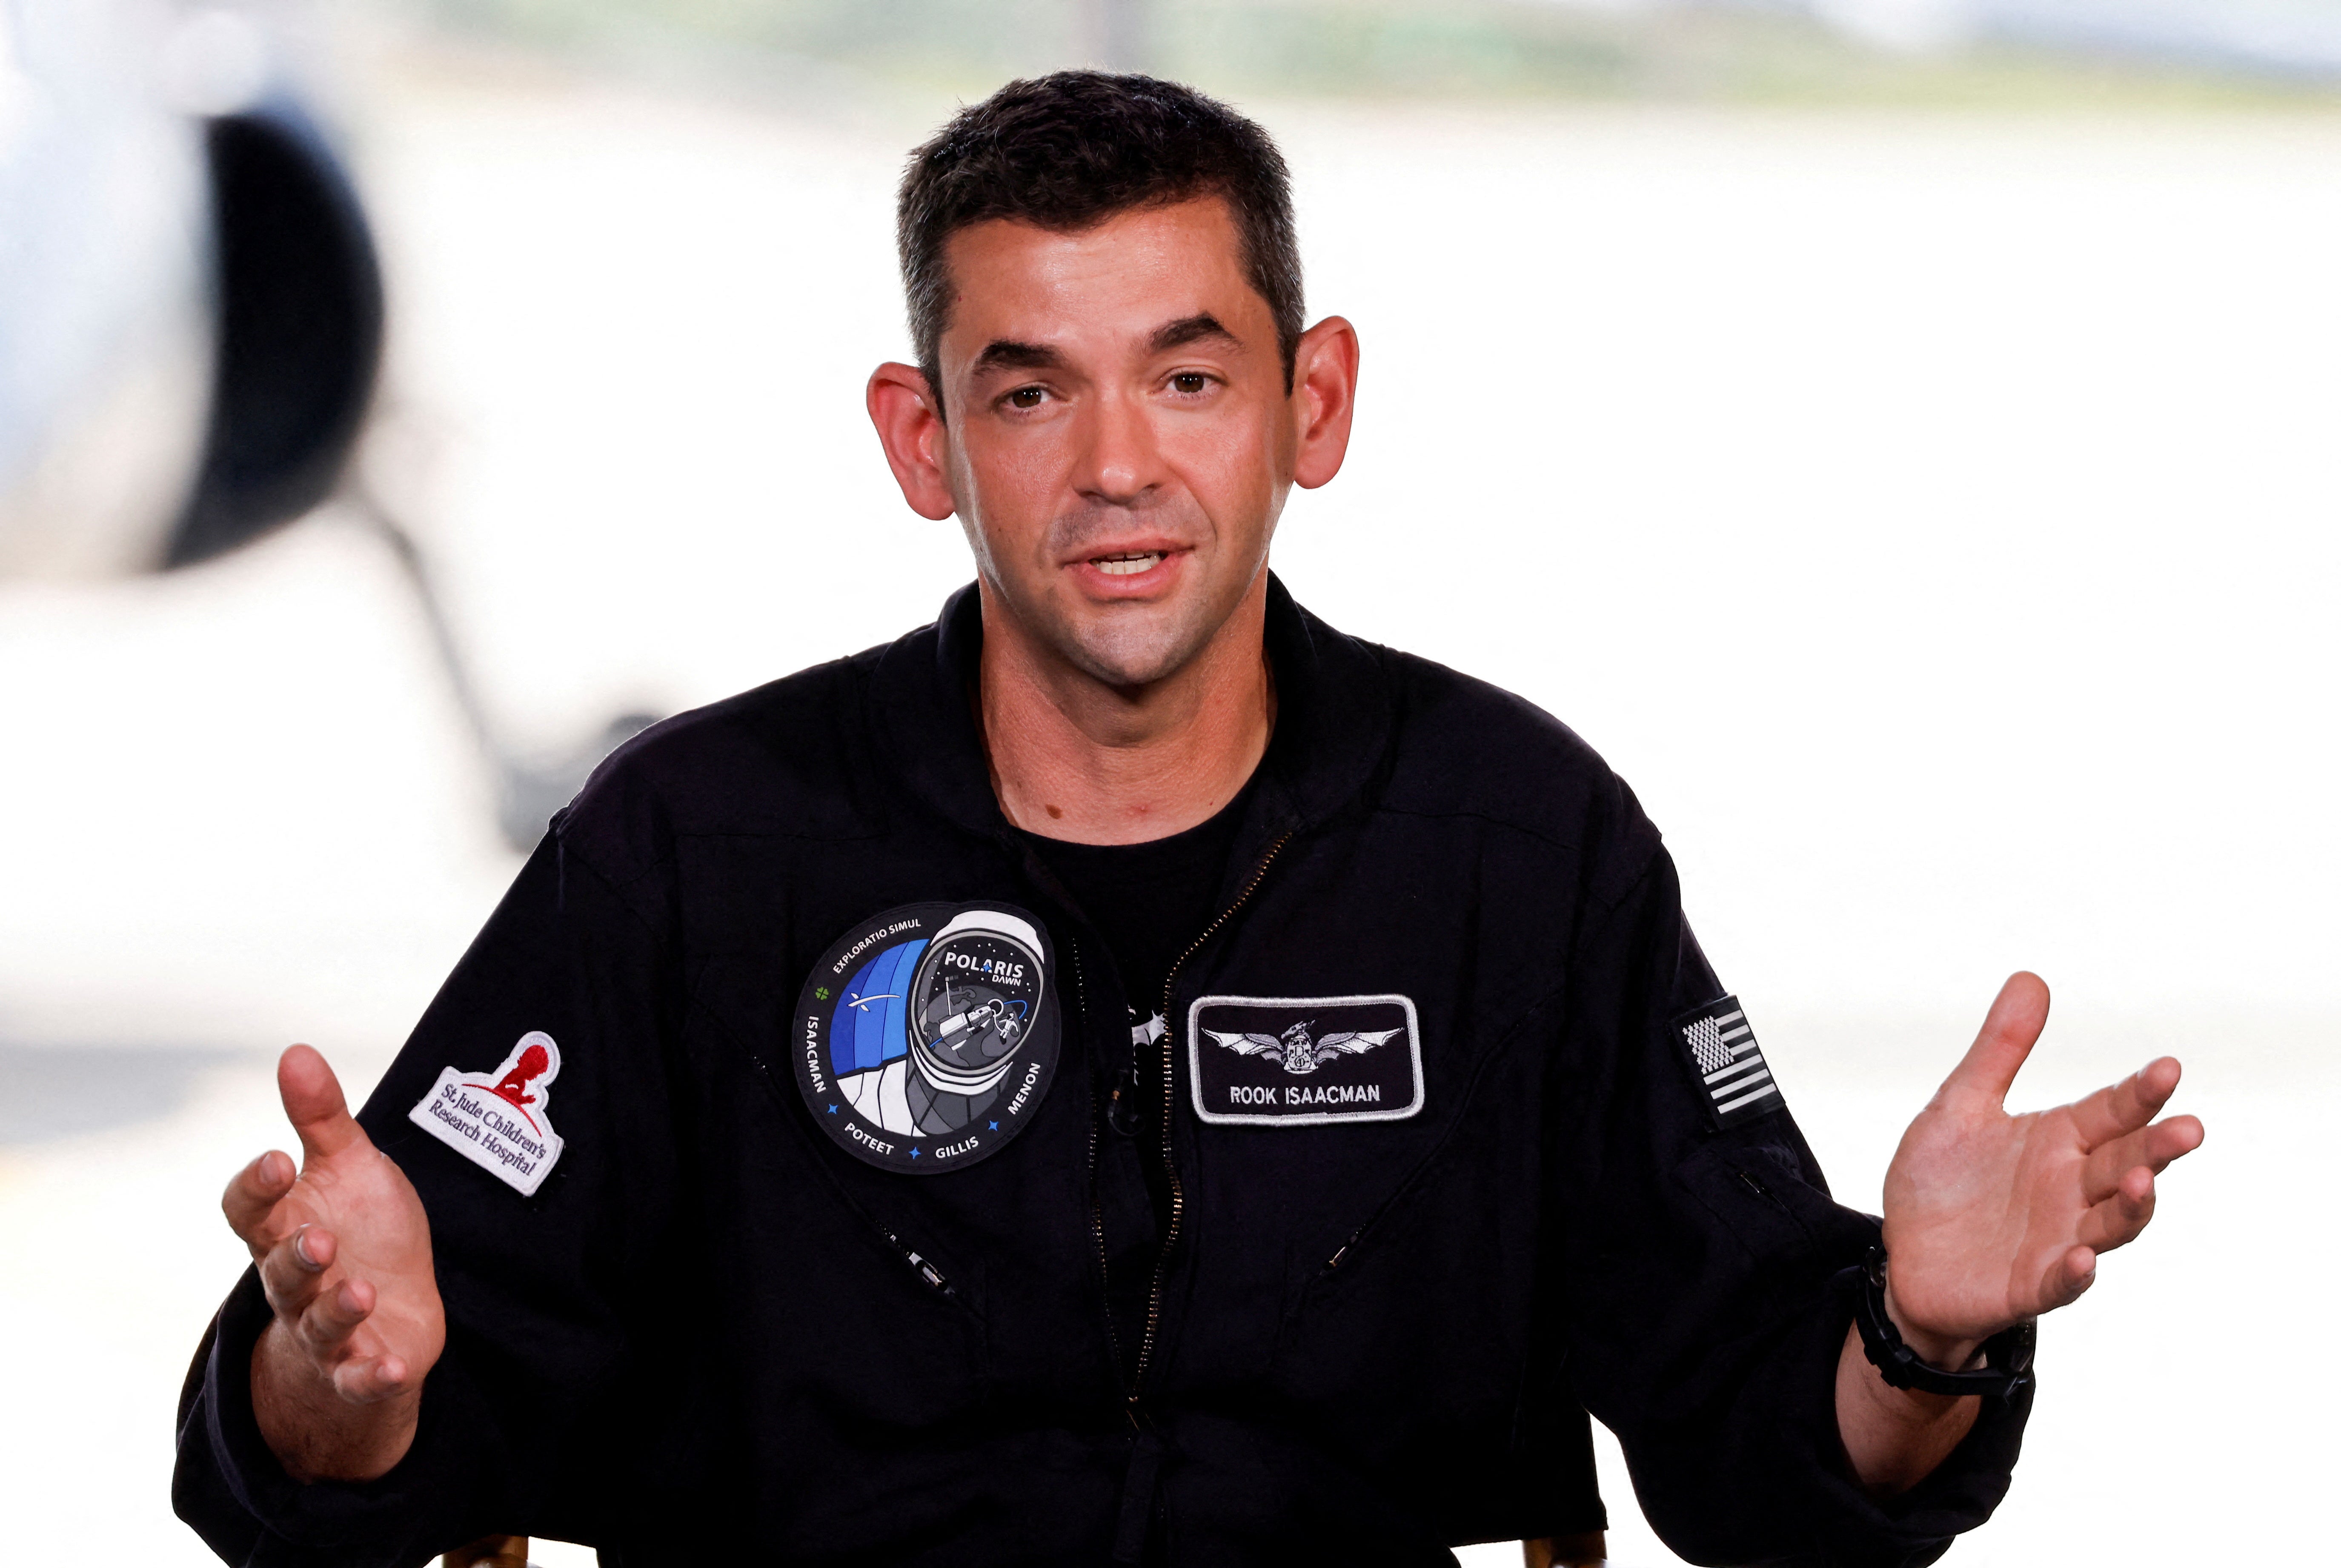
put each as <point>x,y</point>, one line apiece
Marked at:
<point>910,428</point>
<point>1324,397</point>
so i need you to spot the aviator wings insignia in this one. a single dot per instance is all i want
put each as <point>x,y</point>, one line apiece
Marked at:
<point>1296,1052</point>
<point>1353,1043</point>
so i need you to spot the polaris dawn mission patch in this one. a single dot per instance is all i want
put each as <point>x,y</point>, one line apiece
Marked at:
<point>926,1036</point>
<point>1303,1061</point>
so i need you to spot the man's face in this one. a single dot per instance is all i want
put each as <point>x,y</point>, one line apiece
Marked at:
<point>1119,441</point>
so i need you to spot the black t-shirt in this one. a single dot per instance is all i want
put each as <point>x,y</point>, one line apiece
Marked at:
<point>1149,902</point>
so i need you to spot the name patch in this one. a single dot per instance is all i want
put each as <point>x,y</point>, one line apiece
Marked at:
<point>498,1121</point>
<point>1303,1061</point>
<point>925,1037</point>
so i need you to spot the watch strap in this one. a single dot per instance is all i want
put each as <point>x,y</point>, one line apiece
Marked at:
<point>2008,1354</point>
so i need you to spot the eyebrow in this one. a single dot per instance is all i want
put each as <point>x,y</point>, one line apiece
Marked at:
<point>1189,330</point>
<point>1006,354</point>
<point>1009,354</point>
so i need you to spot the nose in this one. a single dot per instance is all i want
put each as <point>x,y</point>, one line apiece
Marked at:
<point>1120,463</point>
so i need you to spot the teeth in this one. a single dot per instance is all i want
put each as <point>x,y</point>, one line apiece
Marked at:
<point>1126,565</point>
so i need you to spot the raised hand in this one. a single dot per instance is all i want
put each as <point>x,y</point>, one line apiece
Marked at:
<point>343,1249</point>
<point>1992,1218</point>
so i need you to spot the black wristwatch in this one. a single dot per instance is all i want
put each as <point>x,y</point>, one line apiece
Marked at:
<point>2008,1354</point>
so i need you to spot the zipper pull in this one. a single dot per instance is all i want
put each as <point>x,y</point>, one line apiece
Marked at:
<point>925,1270</point>
<point>1121,1104</point>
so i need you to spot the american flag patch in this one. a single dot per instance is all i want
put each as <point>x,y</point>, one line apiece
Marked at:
<point>1727,1062</point>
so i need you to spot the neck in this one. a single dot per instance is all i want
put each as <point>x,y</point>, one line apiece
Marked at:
<point>1076,759</point>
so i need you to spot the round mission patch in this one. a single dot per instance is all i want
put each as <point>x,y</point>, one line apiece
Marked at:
<point>926,1036</point>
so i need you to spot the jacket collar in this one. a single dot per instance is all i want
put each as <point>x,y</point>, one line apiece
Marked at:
<point>1332,718</point>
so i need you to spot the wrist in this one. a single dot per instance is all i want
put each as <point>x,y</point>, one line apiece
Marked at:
<point>314,1433</point>
<point>1951,1353</point>
<point>1939,1362</point>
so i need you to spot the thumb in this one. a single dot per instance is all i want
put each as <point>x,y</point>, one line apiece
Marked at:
<point>2017,1016</point>
<point>314,1105</point>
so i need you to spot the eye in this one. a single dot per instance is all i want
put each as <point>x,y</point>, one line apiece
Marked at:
<point>1188,384</point>
<point>1026,397</point>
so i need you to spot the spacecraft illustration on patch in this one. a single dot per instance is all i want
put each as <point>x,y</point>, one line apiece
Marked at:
<point>936,1037</point>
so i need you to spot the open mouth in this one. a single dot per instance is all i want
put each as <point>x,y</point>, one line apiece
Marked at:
<point>1130,563</point>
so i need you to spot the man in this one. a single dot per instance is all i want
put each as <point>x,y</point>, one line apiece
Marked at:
<point>1126,1073</point>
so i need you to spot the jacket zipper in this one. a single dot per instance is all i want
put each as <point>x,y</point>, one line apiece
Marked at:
<point>1170,1103</point>
<point>1097,1203</point>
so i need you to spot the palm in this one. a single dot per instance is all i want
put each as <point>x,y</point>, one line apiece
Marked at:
<point>344,1246</point>
<point>366,1201</point>
<point>1992,1218</point>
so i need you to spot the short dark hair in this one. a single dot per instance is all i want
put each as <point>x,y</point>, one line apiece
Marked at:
<point>1068,151</point>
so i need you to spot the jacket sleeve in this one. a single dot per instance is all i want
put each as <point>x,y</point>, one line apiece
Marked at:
<point>520,1409</point>
<point>1711,1283</point>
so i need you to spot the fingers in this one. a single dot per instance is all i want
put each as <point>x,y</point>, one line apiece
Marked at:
<point>370,1379</point>
<point>314,1105</point>
<point>293,1271</point>
<point>2017,1016</point>
<point>2150,1149</point>
<point>2117,1218</point>
<point>252,1197</point>
<point>324,1312</point>
<point>324,1326</point>
<point>2124,1212</point>
<point>2128,1106</point>
<point>2073,1271</point>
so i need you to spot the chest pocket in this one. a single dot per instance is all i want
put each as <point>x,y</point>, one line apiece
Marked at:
<point>1355,1174</point>
<point>882,1324</point>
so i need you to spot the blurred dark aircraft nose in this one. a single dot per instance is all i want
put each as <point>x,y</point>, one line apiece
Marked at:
<point>300,314</point>
<point>258,253</point>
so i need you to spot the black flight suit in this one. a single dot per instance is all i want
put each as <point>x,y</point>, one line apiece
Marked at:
<point>714,1335</point>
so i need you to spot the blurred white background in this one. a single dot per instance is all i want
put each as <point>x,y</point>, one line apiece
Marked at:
<point>1931,513</point>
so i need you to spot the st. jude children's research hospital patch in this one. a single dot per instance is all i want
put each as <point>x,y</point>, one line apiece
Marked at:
<point>927,1035</point>
<point>501,1121</point>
